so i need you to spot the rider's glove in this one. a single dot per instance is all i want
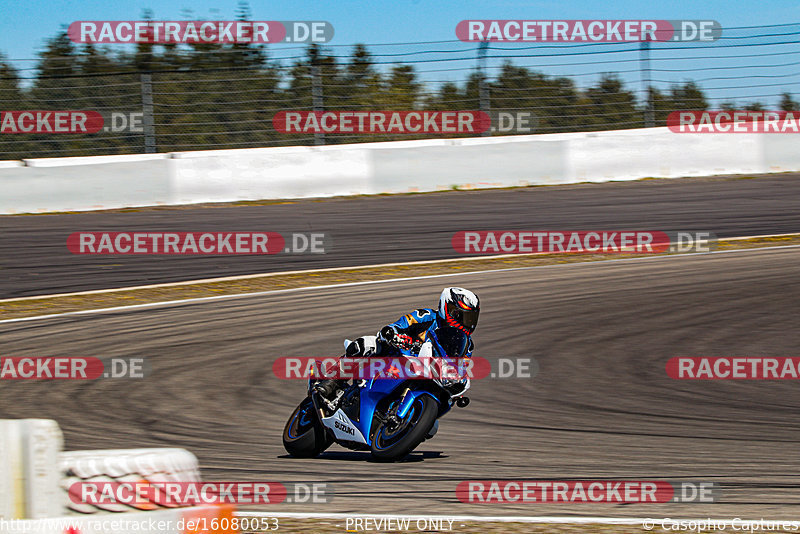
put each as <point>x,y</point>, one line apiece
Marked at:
<point>391,336</point>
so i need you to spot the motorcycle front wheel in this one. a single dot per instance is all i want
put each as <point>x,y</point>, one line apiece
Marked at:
<point>304,436</point>
<point>394,441</point>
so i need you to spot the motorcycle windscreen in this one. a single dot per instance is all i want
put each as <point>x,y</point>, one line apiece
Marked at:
<point>453,341</point>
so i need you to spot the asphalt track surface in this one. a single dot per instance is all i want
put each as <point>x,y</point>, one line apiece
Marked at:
<point>601,406</point>
<point>34,259</point>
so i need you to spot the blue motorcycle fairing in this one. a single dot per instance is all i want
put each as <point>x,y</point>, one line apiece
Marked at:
<point>409,399</point>
<point>371,394</point>
<point>379,388</point>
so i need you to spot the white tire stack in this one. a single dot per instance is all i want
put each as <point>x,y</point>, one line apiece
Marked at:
<point>125,465</point>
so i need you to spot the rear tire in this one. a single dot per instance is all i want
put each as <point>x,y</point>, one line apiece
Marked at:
<point>304,436</point>
<point>392,444</point>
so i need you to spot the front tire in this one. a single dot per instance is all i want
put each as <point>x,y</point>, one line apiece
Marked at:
<point>392,443</point>
<point>304,436</point>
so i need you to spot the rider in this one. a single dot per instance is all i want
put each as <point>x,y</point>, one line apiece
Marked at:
<point>458,312</point>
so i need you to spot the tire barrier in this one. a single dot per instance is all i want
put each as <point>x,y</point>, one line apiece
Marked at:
<point>125,465</point>
<point>36,477</point>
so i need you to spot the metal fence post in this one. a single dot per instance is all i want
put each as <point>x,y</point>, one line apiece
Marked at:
<point>644,60</point>
<point>317,97</point>
<point>483,88</point>
<point>147,111</point>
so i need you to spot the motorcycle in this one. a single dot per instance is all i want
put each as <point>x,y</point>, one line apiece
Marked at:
<point>386,415</point>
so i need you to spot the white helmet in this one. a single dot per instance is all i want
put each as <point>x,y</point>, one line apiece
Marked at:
<point>459,308</point>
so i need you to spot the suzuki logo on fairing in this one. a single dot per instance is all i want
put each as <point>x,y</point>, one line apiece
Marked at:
<point>344,428</point>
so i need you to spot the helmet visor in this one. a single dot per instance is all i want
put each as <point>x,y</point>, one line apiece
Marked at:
<point>466,319</point>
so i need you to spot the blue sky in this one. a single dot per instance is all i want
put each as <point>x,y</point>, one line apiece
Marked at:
<point>26,25</point>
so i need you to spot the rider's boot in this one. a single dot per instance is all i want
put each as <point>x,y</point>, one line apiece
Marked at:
<point>358,348</point>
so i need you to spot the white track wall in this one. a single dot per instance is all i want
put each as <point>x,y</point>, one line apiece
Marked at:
<point>106,182</point>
